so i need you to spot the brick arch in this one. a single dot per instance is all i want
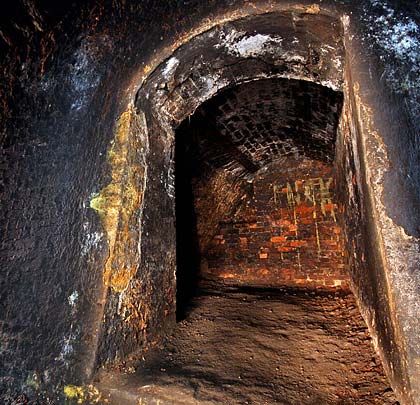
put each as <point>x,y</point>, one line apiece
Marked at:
<point>238,51</point>
<point>295,45</point>
<point>262,155</point>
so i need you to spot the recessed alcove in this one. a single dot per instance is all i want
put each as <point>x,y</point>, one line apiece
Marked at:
<point>256,167</point>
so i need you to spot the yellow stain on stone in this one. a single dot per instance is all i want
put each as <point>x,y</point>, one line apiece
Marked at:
<point>318,241</point>
<point>326,199</point>
<point>290,196</point>
<point>315,191</point>
<point>309,186</point>
<point>275,191</point>
<point>313,9</point>
<point>118,201</point>
<point>74,392</point>
<point>82,394</point>
<point>147,69</point>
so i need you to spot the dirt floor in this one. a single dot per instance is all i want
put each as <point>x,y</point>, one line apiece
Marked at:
<point>250,346</point>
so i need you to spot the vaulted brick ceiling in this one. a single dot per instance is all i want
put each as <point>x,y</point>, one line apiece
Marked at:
<point>245,127</point>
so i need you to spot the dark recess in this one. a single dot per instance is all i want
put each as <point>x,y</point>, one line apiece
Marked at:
<point>187,250</point>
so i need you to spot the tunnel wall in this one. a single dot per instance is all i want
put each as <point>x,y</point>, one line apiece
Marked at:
<point>216,197</point>
<point>285,233</point>
<point>365,262</point>
<point>361,159</point>
<point>365,157</point>
<point>67,83</point>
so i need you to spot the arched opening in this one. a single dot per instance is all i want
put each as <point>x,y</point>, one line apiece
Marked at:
<point>250,153</point>
<point>290,54</point>
<point>263,301</point>
<point>255,188</point>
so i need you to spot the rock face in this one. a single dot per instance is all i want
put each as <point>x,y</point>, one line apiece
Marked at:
<point>91,96</point>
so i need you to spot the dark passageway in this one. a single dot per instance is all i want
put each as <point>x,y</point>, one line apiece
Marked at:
<point>187,249</point>
<point>210,202</point>
<point>264,310</point>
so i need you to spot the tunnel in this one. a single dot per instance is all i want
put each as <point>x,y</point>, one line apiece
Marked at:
<point>250,164</point>
<point>258,218</point>
<point>210,203</point>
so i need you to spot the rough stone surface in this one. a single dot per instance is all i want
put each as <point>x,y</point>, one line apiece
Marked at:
<point>69,71</point>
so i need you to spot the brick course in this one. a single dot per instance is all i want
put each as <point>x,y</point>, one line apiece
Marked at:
<point>287,233</point>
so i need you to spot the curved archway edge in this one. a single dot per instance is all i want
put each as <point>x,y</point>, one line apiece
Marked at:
<point>227,55</point>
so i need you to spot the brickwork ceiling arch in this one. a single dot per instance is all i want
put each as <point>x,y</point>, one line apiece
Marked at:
<point>244,128</point>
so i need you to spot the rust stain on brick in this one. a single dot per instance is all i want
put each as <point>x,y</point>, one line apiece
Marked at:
<point>118,204</point>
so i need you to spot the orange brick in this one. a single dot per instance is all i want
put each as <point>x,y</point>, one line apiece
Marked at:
<point>304,209</point>
<point>298,243</point>
<point>284,222</point>
<point>278,239</point>
<point>285,249</point>
<point>263,255</point>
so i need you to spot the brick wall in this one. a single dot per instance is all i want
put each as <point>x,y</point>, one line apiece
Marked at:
<point>285,234</point>
<point>266,119</point>
<point>217,197</point>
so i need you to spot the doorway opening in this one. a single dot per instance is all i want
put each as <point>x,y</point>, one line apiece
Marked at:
<point>255,183</point>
